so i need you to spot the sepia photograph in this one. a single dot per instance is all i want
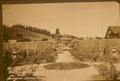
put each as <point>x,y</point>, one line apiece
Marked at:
<point>67,41</point>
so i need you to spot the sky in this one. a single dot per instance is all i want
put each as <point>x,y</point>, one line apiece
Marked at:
<point>82,19</point>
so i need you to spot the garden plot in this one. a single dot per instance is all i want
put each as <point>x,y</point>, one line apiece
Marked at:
<point>62,75</point>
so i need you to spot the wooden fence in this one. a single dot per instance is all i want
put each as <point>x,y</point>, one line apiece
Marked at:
<point>28,45</point>
<point>84,45</point>
<point>98,45</point>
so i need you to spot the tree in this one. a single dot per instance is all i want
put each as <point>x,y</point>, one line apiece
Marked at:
<point>57,32</point>
<point>5,33</point>
<point>52,35</point>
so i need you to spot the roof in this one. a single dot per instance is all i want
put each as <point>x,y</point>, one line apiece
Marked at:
<point>115,29</point>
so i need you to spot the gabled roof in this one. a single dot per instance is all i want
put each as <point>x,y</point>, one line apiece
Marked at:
<point>114,29</point>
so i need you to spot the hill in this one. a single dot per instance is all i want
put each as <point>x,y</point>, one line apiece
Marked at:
<point>18,32</point>
<point>27,34</point>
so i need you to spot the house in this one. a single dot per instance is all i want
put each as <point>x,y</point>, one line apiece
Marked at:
<point>113,32</point>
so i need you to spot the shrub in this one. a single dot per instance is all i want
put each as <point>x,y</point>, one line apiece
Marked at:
<point>84,55</point>
<point>45,39</point>
<point>108,71</point>
<point>24,40</point>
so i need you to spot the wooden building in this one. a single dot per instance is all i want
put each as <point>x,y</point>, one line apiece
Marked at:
<point>113,32</point>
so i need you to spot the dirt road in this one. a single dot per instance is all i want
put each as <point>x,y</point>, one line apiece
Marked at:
<point>65,57</point>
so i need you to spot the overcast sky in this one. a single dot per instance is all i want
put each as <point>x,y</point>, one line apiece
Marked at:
<point>86,19</point>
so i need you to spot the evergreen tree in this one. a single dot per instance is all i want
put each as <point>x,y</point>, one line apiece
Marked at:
<point>57,32</point>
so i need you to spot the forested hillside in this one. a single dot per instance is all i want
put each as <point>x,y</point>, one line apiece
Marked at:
<point>18,31</point>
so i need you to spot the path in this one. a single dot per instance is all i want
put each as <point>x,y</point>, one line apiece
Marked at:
<point>67,75</point>
<point>65,57</point>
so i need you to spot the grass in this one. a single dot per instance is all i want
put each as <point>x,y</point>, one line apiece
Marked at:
<point>65,66</point>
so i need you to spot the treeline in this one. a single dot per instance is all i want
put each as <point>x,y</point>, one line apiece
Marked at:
<point>8,30</point>
<point>29,28</point>
<point>15,32</point>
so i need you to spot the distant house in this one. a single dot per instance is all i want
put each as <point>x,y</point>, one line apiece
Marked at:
<point>113,32</point>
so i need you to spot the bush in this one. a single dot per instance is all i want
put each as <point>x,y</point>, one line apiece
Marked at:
<point>45,39</point>
<point>84,55</point>
<point>23,56</point>
<point>24,40</point>
<point>108,71</point>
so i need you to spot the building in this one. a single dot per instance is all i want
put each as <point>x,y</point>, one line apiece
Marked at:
<point>113,32</point>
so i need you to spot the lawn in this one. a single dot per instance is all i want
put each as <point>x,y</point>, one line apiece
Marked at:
<point>65,66</point>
